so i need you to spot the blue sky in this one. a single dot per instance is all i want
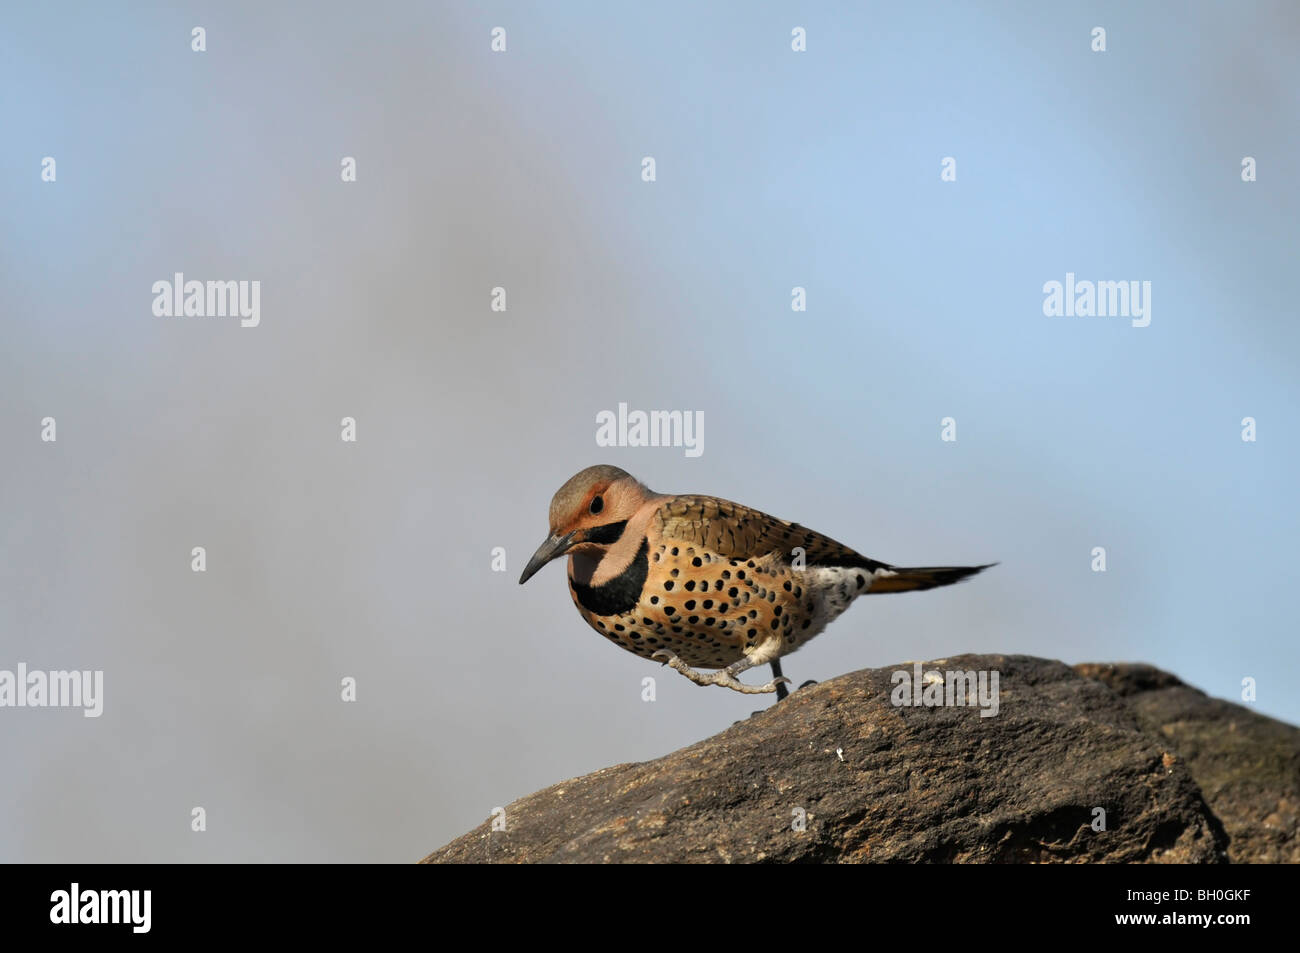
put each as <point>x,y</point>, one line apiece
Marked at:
<point>775,169</point>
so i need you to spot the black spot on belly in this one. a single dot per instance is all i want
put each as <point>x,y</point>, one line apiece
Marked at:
<point>620,594</point>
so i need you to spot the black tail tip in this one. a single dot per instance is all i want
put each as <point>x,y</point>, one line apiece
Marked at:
<point>958,573</point>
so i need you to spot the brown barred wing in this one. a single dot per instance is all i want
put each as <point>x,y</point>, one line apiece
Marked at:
<point>736,531</point>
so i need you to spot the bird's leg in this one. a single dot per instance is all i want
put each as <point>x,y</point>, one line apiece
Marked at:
<point>781,690</point>
<point>726,677</point>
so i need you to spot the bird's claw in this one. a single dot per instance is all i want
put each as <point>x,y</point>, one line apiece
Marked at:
<point>721,677</point>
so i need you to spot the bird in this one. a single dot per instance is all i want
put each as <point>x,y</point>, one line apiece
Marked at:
<point>698,582</point>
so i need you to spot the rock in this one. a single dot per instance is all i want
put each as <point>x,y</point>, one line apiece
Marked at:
<point>1246,765</point>
<point>836,773</point>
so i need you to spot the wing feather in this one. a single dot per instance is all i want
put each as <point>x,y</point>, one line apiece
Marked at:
<point>739,532</point>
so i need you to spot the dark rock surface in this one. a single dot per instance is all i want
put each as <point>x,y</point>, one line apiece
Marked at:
<point>1246,765</point>
<point>1182,778</point>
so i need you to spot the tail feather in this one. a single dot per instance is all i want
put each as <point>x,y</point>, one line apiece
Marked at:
<point>901,579</point>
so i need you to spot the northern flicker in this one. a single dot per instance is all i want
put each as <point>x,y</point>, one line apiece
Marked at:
<point>699,581</point>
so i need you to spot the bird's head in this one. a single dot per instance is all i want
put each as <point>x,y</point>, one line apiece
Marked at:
<point>588,514</point>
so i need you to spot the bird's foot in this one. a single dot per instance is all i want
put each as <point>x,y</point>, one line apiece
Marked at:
<point>781,695</point>
<point>726,677</point>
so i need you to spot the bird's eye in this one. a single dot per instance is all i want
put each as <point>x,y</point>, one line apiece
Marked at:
<point>597,504</point>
